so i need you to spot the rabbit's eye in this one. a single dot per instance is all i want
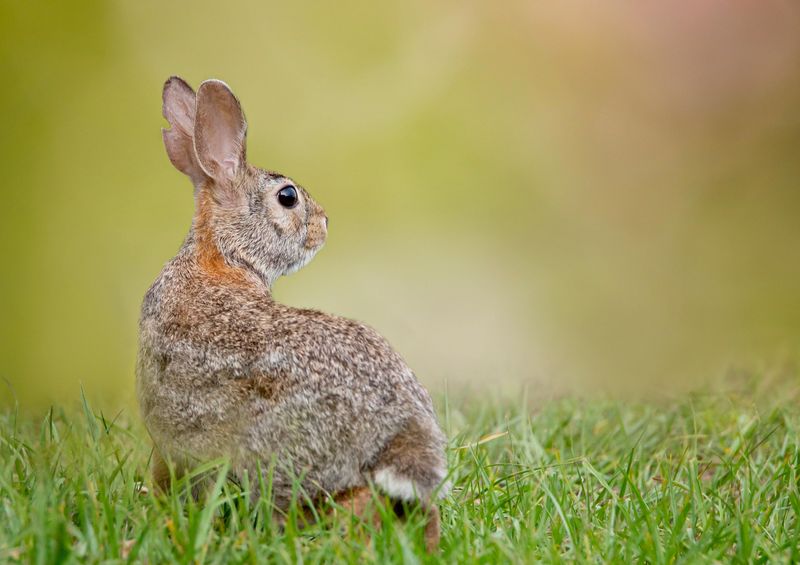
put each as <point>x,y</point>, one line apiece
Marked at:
<point>287,196</point>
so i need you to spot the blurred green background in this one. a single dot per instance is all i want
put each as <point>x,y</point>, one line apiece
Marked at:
<point>599,196</point>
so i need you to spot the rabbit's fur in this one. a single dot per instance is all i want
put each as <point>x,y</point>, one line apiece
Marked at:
<point>225,371</point>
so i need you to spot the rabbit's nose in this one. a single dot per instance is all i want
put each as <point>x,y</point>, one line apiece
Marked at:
<point>326,222</point>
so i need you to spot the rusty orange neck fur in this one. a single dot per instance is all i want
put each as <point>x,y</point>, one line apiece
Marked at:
<point>209,257</point>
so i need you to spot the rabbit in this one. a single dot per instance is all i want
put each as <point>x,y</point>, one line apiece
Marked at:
<point>225,371</point>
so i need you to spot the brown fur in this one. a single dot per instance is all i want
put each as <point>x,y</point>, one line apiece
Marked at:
<point>432,529</point>
<point>209,258</point>
<point>226,371</point>
<point>360,502</point>
<point>161,477</point>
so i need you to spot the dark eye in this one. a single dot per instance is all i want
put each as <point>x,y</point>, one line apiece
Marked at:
<point>287,196</point>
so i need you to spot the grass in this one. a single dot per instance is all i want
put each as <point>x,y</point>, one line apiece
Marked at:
<point>701,479</point>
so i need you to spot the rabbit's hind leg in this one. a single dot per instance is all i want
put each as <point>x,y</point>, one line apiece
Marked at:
<point>160,470</point>
<point>359,503</point>
<point>165,470</point>
<point>411,468</point>
<point>432,529</point>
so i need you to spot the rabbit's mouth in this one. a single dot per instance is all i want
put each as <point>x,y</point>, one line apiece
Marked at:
<point>316,234</point>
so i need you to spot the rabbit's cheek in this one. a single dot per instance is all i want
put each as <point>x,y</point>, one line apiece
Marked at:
<point>285,224</point>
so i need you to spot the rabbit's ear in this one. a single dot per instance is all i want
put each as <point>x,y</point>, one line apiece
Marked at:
<point>219,131</point>
<point>179,109</point>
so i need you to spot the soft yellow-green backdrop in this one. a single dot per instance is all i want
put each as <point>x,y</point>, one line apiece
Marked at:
<point>559,193</point>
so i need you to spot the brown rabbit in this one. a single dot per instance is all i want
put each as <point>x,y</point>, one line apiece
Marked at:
<point>225,371</point>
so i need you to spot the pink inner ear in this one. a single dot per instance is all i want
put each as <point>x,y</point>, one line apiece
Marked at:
<point>229,166</point>
<point>184,116</point>
<point>179,110</point>
<point>220,130</point>
<point>223,146</point>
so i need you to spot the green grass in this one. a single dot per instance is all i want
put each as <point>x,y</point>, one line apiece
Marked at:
<point>701,479</point>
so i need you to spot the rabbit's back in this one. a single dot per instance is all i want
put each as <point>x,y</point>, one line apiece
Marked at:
<point>226,371</point>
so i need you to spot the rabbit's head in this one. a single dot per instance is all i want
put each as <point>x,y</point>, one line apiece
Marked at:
<point>245,216</point>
